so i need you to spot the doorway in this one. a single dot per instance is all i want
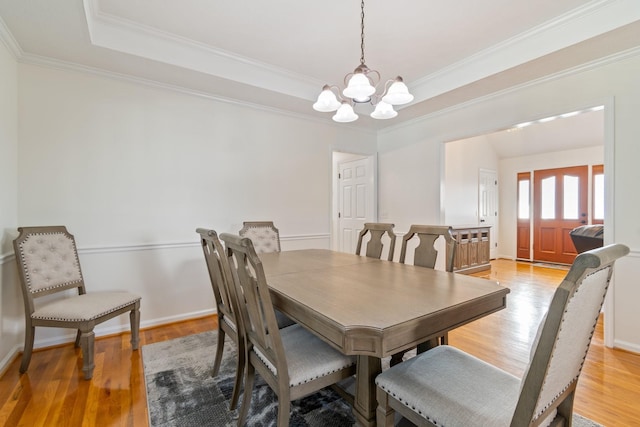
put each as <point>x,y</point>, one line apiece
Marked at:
<point>354,198</point>
<point>488,206</point>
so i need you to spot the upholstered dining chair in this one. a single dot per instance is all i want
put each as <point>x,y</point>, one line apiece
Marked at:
<point>426,255</point>
<point>220,276</point>
<point>446,386</point>
<point>293,361</point>
<point>48,264</point>
<point>266,239</point>
<point>263,234</point>
<point>375,246</point>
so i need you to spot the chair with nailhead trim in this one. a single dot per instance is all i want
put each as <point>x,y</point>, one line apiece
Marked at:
<point>263,234</point>
<point>48,264</point>
<point>293,361</point>
<point>266,239</point>
<point>448,387</point>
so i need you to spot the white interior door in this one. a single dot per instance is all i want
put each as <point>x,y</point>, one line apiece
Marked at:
<point>355,202</point>
<point>488,206</point>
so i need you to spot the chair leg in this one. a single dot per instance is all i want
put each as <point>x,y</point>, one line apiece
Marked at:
<point>385,415</point>
<point>284,408</point>
<point>239,374</point>
<point>219,350</point>
<point>87,343</point>
<point>134,318</point>
<point>78,334</point>
<point>566,408</point>
<point>444,339</point>
<point>396,358</point>
<point>29,336</point>
<point>249,376</point>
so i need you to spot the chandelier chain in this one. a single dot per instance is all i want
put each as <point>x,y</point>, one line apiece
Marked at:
<point>362,32</point>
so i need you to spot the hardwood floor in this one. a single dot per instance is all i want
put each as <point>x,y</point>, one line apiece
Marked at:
<point>54,393</point>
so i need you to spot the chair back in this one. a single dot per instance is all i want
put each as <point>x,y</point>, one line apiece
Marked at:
<point>375,245</point>
<point>219,274</point>
<point>47,260</point>
<point>263,234</point>
<point>254,303</point>
<point>425,254</point>
<point>564,336</point>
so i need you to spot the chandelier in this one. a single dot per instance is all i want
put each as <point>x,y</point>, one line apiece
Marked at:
<point>361,87</point>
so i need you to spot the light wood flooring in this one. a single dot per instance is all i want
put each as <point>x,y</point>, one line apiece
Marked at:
<point>54,393</point>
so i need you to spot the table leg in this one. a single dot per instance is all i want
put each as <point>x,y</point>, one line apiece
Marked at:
<point>365,404</point>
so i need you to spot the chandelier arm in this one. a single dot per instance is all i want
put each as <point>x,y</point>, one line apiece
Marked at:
<point>387,85</point>
<point>369,71</point>
<point>346,79</point>
<point>336,90</point>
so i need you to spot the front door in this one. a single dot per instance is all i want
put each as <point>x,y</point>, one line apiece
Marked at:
<point>356,201</point>
<point>560,205</point>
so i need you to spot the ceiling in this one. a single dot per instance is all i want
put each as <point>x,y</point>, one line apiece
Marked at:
<point>277,54</point>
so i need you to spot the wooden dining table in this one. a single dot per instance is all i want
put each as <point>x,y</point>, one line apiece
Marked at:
<point>372,308</point>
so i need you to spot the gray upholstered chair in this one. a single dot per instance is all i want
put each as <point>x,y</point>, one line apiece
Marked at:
<point>445,386</point>
<point>375,246</point>
<point>263,234</point>
<point>293,361</point>
<point>426,255</point>
<point>220,276</point>
<point>48,263</point>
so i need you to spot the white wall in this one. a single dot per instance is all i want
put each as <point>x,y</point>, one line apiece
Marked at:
<point>509,168</point>
<point>132,170</point>
<point>463,161</point>
<point>10,298</point>
<point>8,145</point>
<point>408,186</point>
<point>612,83</point>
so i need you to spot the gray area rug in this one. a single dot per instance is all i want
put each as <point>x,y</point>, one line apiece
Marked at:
<point>182,393</point>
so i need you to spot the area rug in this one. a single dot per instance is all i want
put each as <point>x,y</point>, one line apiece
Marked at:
<point>182,393</point>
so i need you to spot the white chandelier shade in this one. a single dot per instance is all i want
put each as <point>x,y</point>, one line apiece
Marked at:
<point>398,93</point>
<point>384,111</point>
<point>345,113</point>
<point>327,101</point>
<point>361,87</point>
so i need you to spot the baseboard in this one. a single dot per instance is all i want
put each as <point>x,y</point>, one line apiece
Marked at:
<point>4,363</point>
<point>627,346</point>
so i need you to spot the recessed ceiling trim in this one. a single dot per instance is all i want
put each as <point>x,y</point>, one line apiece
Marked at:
<point>9,40</point>
<point>133,38</point>
<point>591,20</point>
<point>42,61</point>
<point>602,62</point>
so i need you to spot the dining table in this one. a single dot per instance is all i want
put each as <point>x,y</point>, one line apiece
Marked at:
<point>374,308</point>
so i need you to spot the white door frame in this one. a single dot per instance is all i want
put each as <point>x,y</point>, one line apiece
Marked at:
<point>490,219</point>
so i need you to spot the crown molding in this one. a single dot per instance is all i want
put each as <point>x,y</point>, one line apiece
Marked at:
<point>134,38</point>
<point>7,38</point>
<point>601,62</point>
<point>46,62</point>
<point>593,19</point>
